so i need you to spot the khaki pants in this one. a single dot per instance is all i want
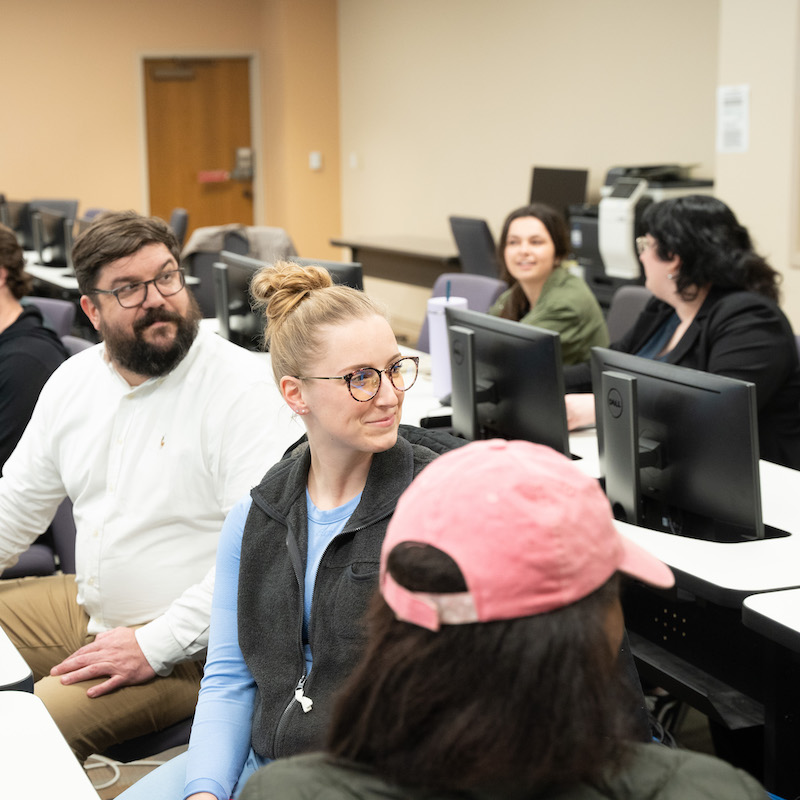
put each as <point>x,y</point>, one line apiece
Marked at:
<point>43,619</point>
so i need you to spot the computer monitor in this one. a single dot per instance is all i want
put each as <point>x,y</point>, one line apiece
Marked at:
<point>559,188</point>
<point>52,237</point>
<point>344,273</point>
<point>507,380</point>
<point>16,216</point>
<point>678,448</point>
<point>237,320</point>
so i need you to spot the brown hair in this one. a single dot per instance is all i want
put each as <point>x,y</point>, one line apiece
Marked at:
<point>13,260</point>
<point>296,302</point>
<point>517,305</point>
<point>115,235</point>
<point>531,703</point>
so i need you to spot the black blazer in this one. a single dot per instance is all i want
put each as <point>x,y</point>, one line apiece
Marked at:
<point>741,335</point>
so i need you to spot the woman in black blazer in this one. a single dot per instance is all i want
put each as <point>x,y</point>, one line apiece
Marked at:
<point>715,308</point>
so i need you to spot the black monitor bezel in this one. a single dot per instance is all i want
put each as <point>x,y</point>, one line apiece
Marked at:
<point>230,269</point>
<point>518,374</point>
<point>343,273</point>
<point>699,431</point>
<point>53,236</point>
<point>572,183</point>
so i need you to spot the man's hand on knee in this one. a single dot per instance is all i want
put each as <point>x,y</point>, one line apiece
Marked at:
<point>114,653</point>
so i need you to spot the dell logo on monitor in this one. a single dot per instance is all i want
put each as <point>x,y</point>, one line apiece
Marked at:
<point>614,399</point>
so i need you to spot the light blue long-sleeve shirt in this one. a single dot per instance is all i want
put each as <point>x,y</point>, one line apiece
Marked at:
<point>220,743</point>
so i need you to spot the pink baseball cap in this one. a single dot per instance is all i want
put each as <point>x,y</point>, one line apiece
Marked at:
<point>529,532</point>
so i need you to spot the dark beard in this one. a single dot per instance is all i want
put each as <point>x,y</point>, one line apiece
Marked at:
<point>142,358</point>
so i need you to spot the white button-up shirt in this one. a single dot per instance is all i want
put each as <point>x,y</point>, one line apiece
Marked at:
<point>152,471</point>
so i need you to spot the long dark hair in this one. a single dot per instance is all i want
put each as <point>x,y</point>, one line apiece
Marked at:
<point>517,304</point>
<point>12,258</point>
<point>714,249</point>
<point>533,702</point>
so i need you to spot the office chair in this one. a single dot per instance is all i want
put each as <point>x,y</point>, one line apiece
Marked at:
<point>90,213</point>
<point>38,560</point>
<point>480,291</point>
<point>55,549</point>
<point>151,743</point>
<point>626,305</point>
<point>58,314</point>
<point>75,344</point>
<point>179,222</point>
<point>475,244</point>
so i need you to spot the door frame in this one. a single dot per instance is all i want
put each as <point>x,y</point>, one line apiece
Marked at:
<point>256,137</point>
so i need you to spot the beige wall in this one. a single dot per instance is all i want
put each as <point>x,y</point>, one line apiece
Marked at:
<point>72,123</point>
<point>434,107</point>
<point>75,91</point>
<point>447,104</point>
<point>761,50</point>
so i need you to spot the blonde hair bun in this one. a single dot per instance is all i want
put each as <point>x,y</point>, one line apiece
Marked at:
<point>279,289</point>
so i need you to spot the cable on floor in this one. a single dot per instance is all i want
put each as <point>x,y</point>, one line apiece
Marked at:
<point>114,766</point>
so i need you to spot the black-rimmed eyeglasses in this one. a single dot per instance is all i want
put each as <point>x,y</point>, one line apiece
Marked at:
<point>365,383</point>
<point>134,294</point>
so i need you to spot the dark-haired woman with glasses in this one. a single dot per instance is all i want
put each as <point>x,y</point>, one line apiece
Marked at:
<point>298,559</point>
<point>715,308</point>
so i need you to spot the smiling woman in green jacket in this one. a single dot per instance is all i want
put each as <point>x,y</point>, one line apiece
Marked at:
<point>533,246</point>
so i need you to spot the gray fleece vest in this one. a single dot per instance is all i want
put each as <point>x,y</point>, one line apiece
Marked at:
<point>271,580</point>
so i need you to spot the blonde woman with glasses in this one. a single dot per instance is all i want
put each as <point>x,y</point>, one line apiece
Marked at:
<point>299,557</point>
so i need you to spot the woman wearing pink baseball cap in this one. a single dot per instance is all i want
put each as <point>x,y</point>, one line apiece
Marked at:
<point>491,669</point>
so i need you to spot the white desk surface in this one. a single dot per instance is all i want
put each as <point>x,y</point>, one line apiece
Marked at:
<point>37,761</point>
<point>742,567</point>
<point>14,670</point>
<point>56,276</point>
<point>776,615</point>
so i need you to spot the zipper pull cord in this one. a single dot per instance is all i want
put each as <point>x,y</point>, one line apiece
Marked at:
<point>306,702</point>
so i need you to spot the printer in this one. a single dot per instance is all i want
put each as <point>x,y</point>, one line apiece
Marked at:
<point>603,236</point>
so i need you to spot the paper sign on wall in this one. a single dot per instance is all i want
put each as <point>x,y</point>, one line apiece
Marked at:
<point>733,119</point>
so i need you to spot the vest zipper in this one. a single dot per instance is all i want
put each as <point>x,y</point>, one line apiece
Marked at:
<point>306,704</point>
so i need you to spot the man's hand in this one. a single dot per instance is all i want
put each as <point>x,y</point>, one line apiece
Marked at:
<point>115,653</point>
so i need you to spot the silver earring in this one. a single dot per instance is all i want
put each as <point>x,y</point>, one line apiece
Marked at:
<point>670,276</point>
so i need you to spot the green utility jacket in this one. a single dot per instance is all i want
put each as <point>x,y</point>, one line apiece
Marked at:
<point>655,772</point>
<point>568,307</point>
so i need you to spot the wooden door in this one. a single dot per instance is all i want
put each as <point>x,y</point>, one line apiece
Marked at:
<point>198,118</point>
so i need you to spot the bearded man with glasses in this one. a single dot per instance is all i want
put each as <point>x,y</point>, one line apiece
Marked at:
<point>151,434</point>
